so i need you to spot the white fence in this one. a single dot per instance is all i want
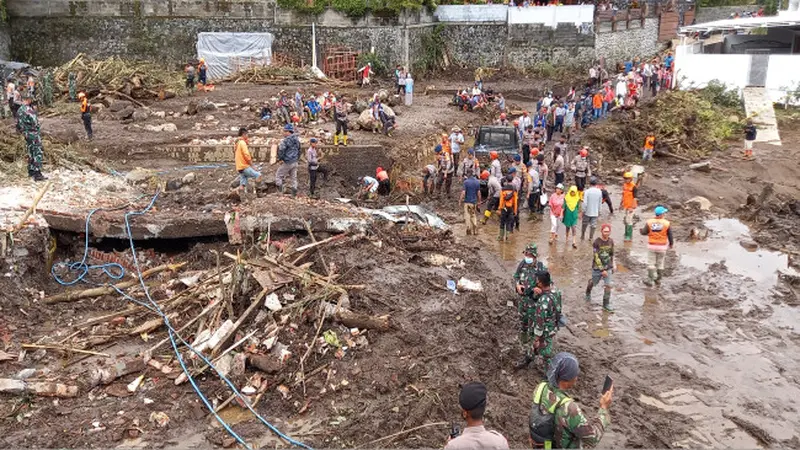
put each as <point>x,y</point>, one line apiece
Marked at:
<point>552,15</point>
<point>546,15</point>
<point>471,13</point>
<point>695,70</point>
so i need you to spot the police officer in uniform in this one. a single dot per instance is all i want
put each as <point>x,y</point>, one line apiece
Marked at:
<point>475,436</point>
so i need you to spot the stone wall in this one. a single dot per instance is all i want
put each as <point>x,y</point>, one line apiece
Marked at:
<point>50,32</point>
<point>712,13</point>
<point>621,45</point>
<point>5,42</point>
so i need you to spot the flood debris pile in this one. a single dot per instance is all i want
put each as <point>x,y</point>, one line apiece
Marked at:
<point>690,124</point>
<point>130,78</point>
<point>269,320</point>
<point>59,153</point>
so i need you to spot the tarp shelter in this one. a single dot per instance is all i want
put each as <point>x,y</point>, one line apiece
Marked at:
<point>226,53</point>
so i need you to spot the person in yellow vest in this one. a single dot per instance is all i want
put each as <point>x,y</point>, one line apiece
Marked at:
<point>86,114</point>
<point>659,239</point>
<point>629,202</point>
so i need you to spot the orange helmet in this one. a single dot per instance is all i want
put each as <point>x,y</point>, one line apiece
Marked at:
<point>485,175</point>
<point>535,151</point>
<point>516,123</point>
<point>584,152</point>
<point>503,116</point>
<point>493,155</point>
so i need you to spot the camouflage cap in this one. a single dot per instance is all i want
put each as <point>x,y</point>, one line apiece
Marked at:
<point>532,249</point>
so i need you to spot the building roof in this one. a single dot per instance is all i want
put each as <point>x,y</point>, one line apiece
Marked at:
<point>786,19</point>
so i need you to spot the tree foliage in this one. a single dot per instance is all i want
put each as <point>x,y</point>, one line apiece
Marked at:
<point>356,8</point>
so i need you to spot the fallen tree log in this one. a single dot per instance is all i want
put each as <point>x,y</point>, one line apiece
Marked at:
<point>104,290</point>
<point>43,388</point>
<point>356,320</point>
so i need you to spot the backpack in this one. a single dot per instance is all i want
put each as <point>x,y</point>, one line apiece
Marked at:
<point>543,424</point>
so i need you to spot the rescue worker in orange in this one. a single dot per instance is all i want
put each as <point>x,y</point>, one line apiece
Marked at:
<point>508,208</point>
<point>86,114</point>
<point>629,202</point>
<point>659,239</point>
<point>649,147</point>
<point>244,161</point>
<point>384,186</point>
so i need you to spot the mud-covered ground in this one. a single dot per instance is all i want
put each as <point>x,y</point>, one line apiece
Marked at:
<point>707,360</point>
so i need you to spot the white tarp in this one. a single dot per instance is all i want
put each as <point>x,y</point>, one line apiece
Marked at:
<point>225,52</point>
<point>471,13</point>
<point>552,15</point>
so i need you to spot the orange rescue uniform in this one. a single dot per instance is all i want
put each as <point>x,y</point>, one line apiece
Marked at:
<point>628,200</point>
<point>243,158</point>
<point>84,105</point>
<point>649,142</point>
<point>659,232</point>
<point>512,203</point>
<point>382,175</point>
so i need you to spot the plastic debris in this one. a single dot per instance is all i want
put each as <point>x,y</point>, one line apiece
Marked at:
<point>160,418</point>
<point>468,285</point>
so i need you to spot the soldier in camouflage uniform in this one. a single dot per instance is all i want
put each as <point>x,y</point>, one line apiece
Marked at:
<point>524,283</point>
<point>28,125</point>
<point>572,428</point>
<point>47,89</point>
<point>73,86</point>
<point>541,320</point>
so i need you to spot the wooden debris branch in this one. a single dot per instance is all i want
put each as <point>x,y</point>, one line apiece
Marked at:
<point>32,208</point>
<point>65,349</point>
<point>105,290</point>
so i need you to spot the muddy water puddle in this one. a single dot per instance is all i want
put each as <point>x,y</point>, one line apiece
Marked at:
<point>734,345</point>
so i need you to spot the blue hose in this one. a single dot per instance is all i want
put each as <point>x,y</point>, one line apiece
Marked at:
<point>173,334</point>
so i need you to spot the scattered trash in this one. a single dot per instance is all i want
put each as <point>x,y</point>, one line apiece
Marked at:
<point>436,259</point>
<point>134,385</point>
<point>160,418</point>
<point>451,285</point>
<point>467,285</point>
<point>285,391</point>
<point>331,338</point>
<point>248,390</point>
<point>272,302</point>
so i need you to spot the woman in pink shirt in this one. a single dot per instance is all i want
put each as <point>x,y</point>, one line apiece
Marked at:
<point>556,203</point>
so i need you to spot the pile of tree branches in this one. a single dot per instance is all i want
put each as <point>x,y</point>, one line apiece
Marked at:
<point>686,123</point>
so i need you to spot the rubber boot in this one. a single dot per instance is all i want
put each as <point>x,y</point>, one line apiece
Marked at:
<point>344,140</point>
<point>588,296</point>
<point>607,300</point>
<point>591,234</point>
<point>502,235</point>
<point>336,139</point>
<point>629,232</point>
<point>651,276</point>
<point>658,277</point>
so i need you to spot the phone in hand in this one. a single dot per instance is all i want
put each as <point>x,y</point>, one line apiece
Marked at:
<point>455,431</point>
<point>608,384</point>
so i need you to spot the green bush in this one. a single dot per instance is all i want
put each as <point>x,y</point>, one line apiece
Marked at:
<point>432,52</point>
<point>378,63</point>
<point>718,94</point>
<point>355,8</point>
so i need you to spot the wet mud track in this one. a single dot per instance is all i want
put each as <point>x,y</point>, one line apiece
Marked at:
<point>709,359</point>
